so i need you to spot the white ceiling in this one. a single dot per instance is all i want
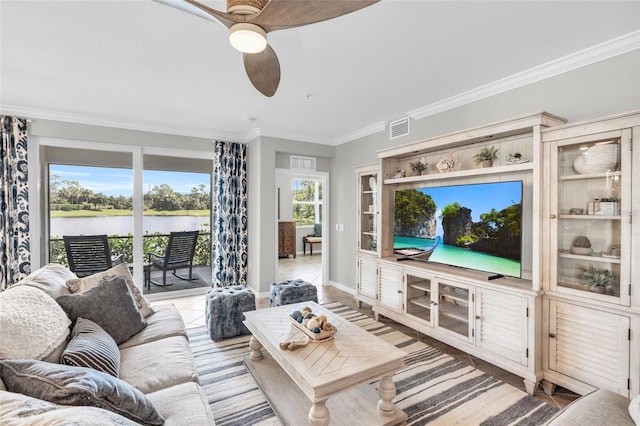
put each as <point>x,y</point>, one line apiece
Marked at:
<point>142,65</point>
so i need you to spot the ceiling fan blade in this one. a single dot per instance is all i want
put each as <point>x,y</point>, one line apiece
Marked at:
<point>281,14</point>
<point>263,70</point>
<point>203,11</point>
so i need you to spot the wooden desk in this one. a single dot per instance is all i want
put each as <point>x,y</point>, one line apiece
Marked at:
<point>311,241</point>
<point>303,385</point>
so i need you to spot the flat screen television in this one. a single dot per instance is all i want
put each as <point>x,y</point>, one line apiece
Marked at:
<point>474,226</point>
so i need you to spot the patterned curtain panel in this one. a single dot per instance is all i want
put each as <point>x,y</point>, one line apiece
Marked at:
<point>229,211</point>
<point>15,262</point>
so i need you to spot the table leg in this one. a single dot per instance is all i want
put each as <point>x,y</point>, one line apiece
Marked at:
<point>256,349</point>
<point>319,414</point>
<point>387,391</point>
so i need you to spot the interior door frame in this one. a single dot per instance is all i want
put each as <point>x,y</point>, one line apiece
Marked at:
<point>308,174</point>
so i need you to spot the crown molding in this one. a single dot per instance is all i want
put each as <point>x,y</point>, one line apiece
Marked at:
<point>41,114</point>
<point>366,131</point>
<point>597,53</point>
<point>590,55</point>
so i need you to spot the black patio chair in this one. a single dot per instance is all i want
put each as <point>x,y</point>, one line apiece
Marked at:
<point>89,254</point>
<point>179,254</point>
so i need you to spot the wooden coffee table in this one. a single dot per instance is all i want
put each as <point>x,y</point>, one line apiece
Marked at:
<point>308,383</point>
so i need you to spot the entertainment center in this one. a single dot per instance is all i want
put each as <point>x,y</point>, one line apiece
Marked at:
<point>453,253</point>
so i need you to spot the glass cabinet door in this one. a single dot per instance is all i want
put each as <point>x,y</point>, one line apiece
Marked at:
<point>419,299</point>
<point>592,238</point>
<point>368,212</point>
<point>453,308</point>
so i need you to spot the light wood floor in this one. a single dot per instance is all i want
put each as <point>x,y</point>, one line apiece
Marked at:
<point>308,268</point>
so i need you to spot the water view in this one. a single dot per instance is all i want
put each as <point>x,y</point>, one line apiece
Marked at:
<point>460,256</point>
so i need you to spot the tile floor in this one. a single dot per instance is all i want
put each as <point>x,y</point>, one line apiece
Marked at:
<point>192,310</point>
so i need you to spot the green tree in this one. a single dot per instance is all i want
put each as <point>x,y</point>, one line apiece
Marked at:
<point>412,206</point>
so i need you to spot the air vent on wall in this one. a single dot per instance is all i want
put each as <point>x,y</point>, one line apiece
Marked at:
<point>304,163</point>
<point>399,128</point>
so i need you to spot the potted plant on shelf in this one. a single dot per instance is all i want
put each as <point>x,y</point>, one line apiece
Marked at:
<point>486,156</point>
<point>417,167</point>
<point>598,280</point>
<point>581,245</point>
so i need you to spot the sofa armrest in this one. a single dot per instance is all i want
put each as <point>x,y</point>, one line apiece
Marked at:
<point>598,408</point>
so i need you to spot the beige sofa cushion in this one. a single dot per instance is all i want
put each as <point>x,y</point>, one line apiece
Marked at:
<point>51,279</point>
<point>183,404</point>
<point>158,365</point>
<point>165,322</point>
<point>598,408</point>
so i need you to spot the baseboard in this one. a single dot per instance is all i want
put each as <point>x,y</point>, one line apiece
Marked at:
<point>342,287</point>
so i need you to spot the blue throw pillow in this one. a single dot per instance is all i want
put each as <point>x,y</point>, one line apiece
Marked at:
<point>70,385</point>
<point>317,229</point>
<point>92,347</point>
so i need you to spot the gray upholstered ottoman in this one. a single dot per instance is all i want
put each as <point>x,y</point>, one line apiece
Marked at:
<point>224,311</point>
<point>292,291</point>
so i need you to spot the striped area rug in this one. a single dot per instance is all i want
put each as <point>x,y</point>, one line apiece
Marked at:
<point>434,388</point>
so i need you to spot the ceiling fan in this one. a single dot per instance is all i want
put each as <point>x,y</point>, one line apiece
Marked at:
<point>249,21</point>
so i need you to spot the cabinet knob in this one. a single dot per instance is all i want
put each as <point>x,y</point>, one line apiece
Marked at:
<point>477,316</point>
<point>552,216</point>
<point>552,335</point>
<point>433,303</point>
<point>399,291</point>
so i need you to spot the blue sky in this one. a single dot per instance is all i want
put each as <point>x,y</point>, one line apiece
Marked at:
<point>115,182</point>
<point>480,198</point>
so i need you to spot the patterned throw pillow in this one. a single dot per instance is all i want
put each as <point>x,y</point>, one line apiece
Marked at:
<point>92,347</point>
<point>122,270</point>
<point>70,385</point>
<point>110,305</point>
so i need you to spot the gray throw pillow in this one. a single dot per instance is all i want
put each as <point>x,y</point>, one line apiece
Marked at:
<point>69,385</point>
<point>110,305</point>
<point>92,347</point>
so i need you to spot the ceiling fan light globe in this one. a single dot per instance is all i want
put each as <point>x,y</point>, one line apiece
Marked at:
<point>248,38</point>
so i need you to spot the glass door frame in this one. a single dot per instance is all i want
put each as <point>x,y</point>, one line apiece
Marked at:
<point>38,191</point>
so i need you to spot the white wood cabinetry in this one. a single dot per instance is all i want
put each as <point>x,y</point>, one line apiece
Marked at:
<point>390,288</point>
<point>367,280</point>
<point>368,224</point>
<point>592,304</point>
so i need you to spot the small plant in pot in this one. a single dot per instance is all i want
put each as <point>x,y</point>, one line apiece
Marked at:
<point>598,280</point>
<point>417,167</point>
<point>486,156</point>
<point>581,245</point>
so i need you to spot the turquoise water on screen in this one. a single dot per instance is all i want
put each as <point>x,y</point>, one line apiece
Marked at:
<point>457,256</point>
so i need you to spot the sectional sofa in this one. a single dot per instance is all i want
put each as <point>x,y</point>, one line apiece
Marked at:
<point>94,351</point>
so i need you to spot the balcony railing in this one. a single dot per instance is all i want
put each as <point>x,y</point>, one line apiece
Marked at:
<point>123,244</point>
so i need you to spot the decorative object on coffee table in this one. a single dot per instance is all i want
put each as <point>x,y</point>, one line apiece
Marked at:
<point>581,245</point>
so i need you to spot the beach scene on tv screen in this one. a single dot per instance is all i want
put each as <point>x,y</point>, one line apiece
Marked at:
<point>476,226</point>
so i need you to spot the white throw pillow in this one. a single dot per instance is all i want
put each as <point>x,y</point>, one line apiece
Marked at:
<point>80,285</point>
<point>32,324</point>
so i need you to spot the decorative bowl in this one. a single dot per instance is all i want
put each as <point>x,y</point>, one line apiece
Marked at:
<point>581,250</point>
<point>597,159</point>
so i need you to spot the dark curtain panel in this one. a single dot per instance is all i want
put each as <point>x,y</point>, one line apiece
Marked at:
<point>229,212</point>
<point>15,261</point>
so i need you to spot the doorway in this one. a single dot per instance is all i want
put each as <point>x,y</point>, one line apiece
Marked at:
<point>302,198</point>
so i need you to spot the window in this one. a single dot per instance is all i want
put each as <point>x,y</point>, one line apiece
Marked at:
<point>307,201</point>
